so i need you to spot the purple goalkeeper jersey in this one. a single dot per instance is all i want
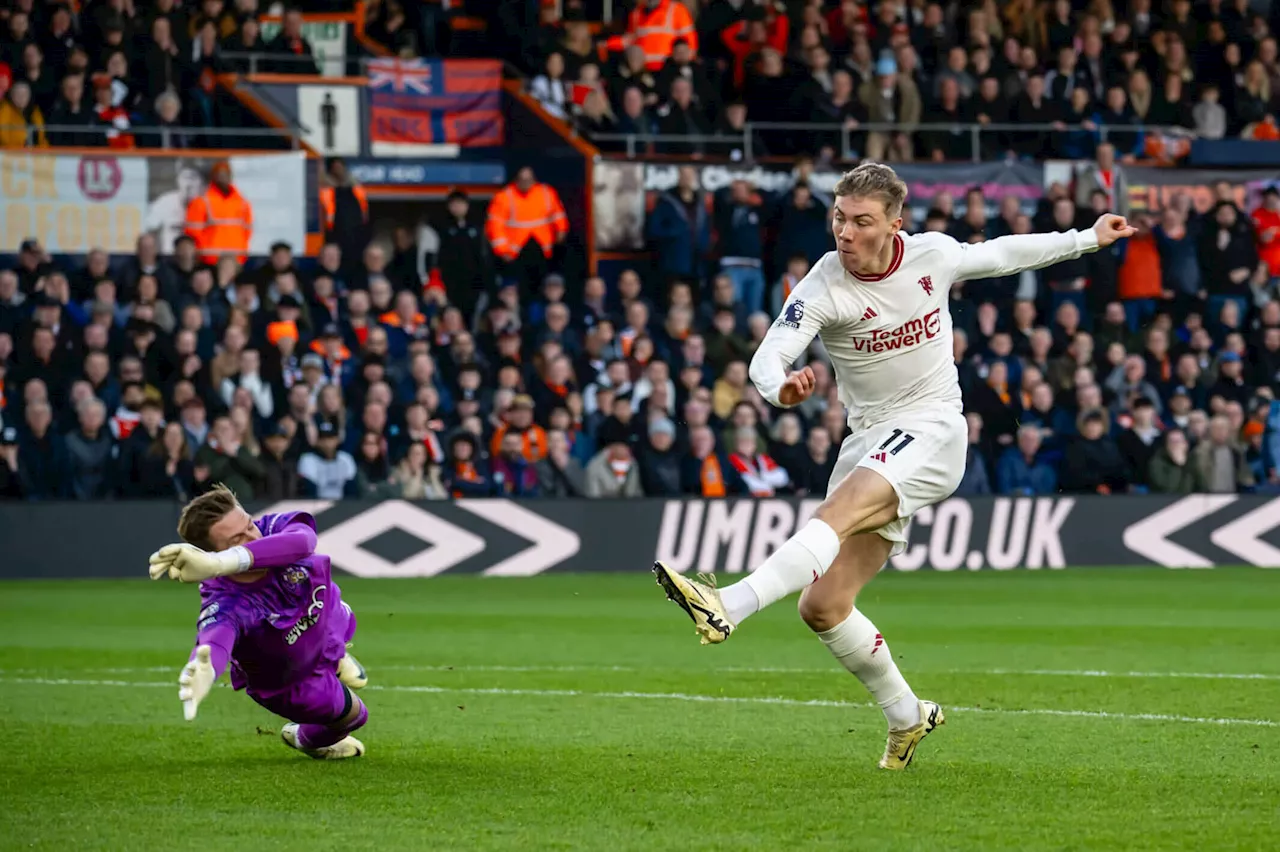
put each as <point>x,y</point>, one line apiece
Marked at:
<point>286,625</point>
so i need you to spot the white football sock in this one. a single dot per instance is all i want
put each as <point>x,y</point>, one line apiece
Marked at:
<point>804,558</point>
<point>861,649</point>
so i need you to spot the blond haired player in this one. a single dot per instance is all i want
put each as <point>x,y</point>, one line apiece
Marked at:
<point>879,304</point>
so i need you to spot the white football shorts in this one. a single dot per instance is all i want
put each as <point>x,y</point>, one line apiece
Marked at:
<point>920,452</point>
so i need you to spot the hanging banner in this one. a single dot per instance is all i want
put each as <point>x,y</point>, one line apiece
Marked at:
<point>1152,188</point>
<point>431,107</point>
<point>624,190</point>
<point>71,204</point>
<point>273,184</point>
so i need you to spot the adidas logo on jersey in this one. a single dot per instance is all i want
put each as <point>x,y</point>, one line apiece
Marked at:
<point>876,647</point>
<point>880,457</point>
<point>869,314</point>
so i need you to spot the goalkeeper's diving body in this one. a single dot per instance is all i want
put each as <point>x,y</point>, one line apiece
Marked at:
<point>270,610</point>
<point>879,303</point>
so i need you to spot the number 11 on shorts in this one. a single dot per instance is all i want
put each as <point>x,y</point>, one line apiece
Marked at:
<point>896,434</point>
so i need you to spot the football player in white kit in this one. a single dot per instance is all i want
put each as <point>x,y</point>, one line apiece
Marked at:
<point>879,304</point>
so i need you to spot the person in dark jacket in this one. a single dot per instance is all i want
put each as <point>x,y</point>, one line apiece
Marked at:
<point>1093,463</point>
<point>741,243</point>
<point>166,469</point>
<point>1171,470</point>
<point>466,263</point>
<point>134,448</point>
<point>820,462</point>
<point>41,456</point>
<point>802,228</point>
<point>279,471</point>
<point>91,453</point>
<point>705,471</point>
<point>660,461</point>
<point>679,228</point>
<point>559,473</point>
<point>1022,471</point>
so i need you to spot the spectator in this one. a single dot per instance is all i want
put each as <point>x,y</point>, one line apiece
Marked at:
<point>166,468</point>
<point>1093,462</point>
<point>418,477</point>
<point>220,221</point>
<point>760,474</point>
<point>10,479</point>
<point>42,455</point>
<point>1209,115</point>
<point>1171,470</point>
<point>975,480</point>
<point>226,460</point>
<point>559,473</point>
<point>1220,461</point>
<point>295,52</point>
<point>660,474</point>
<point>514,474</point>
<point>548,88</point>
<point>91,454</point>
<point>1022,471</point>
<point>679,227</point>
<point>326,472</point>
<point>1137,444</point>
<point>820,462</point>
<point>279,468</point>
<point>21,120</point>
<point>373,470</point>
<point>526,222</point>
<point>613,471</point>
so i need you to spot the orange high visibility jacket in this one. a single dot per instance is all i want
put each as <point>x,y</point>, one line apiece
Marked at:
<point>515,218</point>
<point>220,225</point>
<point>329,206</point>
<point>655,30</point>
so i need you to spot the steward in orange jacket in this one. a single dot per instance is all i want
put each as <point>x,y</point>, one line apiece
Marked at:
<point>221,220</point>
<point>525,211</point>
<point>655,25</point>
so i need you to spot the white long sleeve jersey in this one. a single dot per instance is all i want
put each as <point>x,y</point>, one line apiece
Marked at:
<point>889,336</point>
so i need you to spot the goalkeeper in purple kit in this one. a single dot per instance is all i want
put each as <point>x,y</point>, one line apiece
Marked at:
<point>271,610</point>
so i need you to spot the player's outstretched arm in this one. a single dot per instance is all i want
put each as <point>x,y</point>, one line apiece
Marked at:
<point>215,637</point>
<point>801,319</point>
<point>1018,252</point>
<point>190,564</point>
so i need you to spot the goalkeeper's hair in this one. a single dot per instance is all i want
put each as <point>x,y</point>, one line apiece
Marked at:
<point>874,180</point>
<point>199,516</point>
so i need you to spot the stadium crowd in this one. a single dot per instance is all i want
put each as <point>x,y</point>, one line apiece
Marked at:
<point>1152,366</point>
<point>1146,75</point>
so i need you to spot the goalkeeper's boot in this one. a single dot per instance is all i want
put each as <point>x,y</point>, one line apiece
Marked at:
<point>700,600</point>
<point>351,673</point>
<point>901,746</point>
<point>342,749</point>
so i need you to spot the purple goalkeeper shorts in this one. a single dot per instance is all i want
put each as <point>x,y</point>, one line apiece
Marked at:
<point>316,699</point>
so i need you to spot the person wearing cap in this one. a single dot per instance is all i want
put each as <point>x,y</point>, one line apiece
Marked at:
<point>890,98</point>
<point>1231,384</point>
<point>221,220</point>
<point>613,471</point>
<point>466,262</point>
<point>518,421</point>
<point>327,472</point>
<point>660,461</point>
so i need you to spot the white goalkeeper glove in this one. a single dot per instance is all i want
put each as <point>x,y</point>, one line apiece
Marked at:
<point>189,564</point>
<point>195,682</point>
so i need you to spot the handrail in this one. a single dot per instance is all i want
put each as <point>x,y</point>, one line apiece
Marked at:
<point>142,129</point>
<point>750,128</point>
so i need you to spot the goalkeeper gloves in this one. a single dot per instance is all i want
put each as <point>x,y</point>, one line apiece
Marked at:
<point>189,564</point>
<point>195,682</point>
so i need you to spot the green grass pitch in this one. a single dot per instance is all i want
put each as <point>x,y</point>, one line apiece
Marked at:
<point>1107,710</point>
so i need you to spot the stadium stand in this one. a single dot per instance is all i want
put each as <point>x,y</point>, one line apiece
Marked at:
<point>489,371</point>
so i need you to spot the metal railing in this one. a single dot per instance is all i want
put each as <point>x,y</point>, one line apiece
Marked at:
<point>752,129</point>
<point>81,131</point>
<point>265,62</point>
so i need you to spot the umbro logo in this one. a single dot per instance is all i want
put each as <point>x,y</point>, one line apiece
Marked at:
<point>880,457</point>
<point>869,314</point>
<point>878,645</point>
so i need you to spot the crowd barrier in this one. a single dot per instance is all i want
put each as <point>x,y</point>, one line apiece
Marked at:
<point>395,538</point>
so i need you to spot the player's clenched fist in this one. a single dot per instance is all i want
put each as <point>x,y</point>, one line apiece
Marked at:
<point>797,388</point>
<point>1111,227</point>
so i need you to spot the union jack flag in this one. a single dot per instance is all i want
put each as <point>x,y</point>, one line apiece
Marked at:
<point>412,76</point>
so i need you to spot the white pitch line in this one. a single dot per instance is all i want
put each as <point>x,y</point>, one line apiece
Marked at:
<point>1096,673</point>
<point>711,699</point>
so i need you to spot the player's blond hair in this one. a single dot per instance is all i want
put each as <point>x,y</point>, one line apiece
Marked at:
<point>199,516</point>
<point>874,180</point>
